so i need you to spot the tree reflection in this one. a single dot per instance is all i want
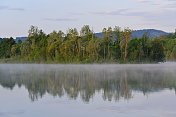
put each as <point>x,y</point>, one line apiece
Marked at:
<point>114,84</point>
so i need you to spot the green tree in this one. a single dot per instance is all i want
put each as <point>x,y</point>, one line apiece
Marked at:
<point>15,50</point>
<point>125,41</point>
<point>157,54</point>
<point>174,53</point>
<point>86,35</point>
<point>135,51</point>
<point>54,40</point>
<point>5,47</point>
<point>118,40</point>
<point>37,40</point>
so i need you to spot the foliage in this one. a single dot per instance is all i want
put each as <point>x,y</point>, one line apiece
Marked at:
<point>84,47</point>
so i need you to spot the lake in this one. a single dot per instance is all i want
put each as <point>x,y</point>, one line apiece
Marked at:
<point>32,90</point>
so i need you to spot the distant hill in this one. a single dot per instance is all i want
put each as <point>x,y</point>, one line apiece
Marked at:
<point>20,38</point>
<point>152,33</point>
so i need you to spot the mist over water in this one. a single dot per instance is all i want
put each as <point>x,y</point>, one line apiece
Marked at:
<point>124,90</point>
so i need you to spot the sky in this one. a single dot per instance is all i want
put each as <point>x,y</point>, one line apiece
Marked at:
<point>16,16</point>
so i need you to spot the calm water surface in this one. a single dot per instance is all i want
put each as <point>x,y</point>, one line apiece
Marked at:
<point>87,90</point>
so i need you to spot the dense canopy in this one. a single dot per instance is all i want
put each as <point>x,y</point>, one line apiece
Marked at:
<point>116,46</point>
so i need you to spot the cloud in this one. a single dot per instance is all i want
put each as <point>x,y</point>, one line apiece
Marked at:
<point>157,2</point>
<point>60,19</point>
<point>155,14</point>
<point>16,9</point>
<point>76,13</point>
<point>11,8</point>
<point>144,1</point>
<point>123,12</point>
<point>117,12</point>
<point>3,7</point>
<point>160,17</point>
<point>170,6</point>
<point>171,0</point>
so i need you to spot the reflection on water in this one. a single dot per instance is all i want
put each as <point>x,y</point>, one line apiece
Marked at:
<point>115,82</point>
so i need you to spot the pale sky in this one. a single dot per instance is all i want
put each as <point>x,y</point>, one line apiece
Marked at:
<point>16,16</point>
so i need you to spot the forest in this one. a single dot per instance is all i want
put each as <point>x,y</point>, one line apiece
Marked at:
<point>84,46</point>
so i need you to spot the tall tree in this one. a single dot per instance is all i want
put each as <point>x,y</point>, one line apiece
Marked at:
<point>126,39</point>
<point>86,35</point>
<point>110,41</point>
<point>118,42</point>
<point>105,40</point>
<point>54,40</point>
<point>5,47</point>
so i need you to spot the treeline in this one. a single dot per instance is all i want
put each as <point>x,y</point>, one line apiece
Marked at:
<point>85,47</point>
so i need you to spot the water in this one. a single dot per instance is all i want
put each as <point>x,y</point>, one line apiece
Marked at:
<point>87,90</point>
